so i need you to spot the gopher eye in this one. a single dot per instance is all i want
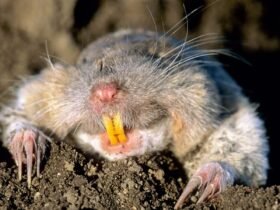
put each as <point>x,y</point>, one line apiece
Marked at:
<point>99,64</point>
<point>102,68</point>
<point>84,60</point>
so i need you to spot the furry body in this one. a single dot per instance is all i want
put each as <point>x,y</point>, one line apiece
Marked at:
<point>169,94</point>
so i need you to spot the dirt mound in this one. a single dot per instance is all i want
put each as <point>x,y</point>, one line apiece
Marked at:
<point>71,180</point>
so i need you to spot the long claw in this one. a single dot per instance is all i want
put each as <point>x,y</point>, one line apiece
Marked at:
<point>38,159</point>
<point>209,190</point>
<point>17,148</point>
<point>29,139</point>
<point>19,164</point>
<point>194,183</point>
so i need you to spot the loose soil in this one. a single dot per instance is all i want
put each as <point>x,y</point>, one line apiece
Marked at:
<point>71,180</point>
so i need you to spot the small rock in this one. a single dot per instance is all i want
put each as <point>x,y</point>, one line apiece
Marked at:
<point>91,171</point>
<point>37,196</point>
<point>68,166</point>
<point>193,199</point>
<point>70,197</point>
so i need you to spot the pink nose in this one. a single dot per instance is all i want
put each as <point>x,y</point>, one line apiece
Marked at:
<point>105,92</point>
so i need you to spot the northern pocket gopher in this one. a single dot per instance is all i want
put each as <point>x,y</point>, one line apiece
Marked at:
<point>136,91</point>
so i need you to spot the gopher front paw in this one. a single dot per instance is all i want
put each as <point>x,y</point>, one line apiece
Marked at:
<point>211,179</point>
<point>26,143</point>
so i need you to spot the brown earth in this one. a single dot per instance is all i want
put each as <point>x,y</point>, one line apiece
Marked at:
<point>70,180</point>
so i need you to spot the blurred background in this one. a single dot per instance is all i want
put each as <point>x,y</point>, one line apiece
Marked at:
<point>249,28</point>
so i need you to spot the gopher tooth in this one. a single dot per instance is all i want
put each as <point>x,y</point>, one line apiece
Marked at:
<point>114,129</point>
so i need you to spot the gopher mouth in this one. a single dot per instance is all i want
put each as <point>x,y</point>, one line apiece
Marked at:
<point>118,142</point>
<point>117,139</point>
<point>114,129</point>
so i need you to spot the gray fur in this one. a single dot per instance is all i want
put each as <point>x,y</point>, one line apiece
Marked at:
<point>159,76</point>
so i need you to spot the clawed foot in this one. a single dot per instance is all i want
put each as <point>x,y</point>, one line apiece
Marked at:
<point>25,145</point>
<point>211,179</point>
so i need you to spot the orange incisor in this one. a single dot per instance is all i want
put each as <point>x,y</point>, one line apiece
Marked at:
<point>114,129</point>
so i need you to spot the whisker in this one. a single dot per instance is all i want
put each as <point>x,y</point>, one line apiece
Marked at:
<point>190,58</point>
<point>59,59</point>
<point>68,118</point>
<point>49,107</point>
<point>39,101</point>
<point>180,23</point>
<point>192,41</point>
<point>56,126</point>
<point>48,59</point>
<point>156,44</point>
<point>77,127</point>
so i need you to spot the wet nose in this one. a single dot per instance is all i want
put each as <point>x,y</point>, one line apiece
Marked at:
<point>105,93</point>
